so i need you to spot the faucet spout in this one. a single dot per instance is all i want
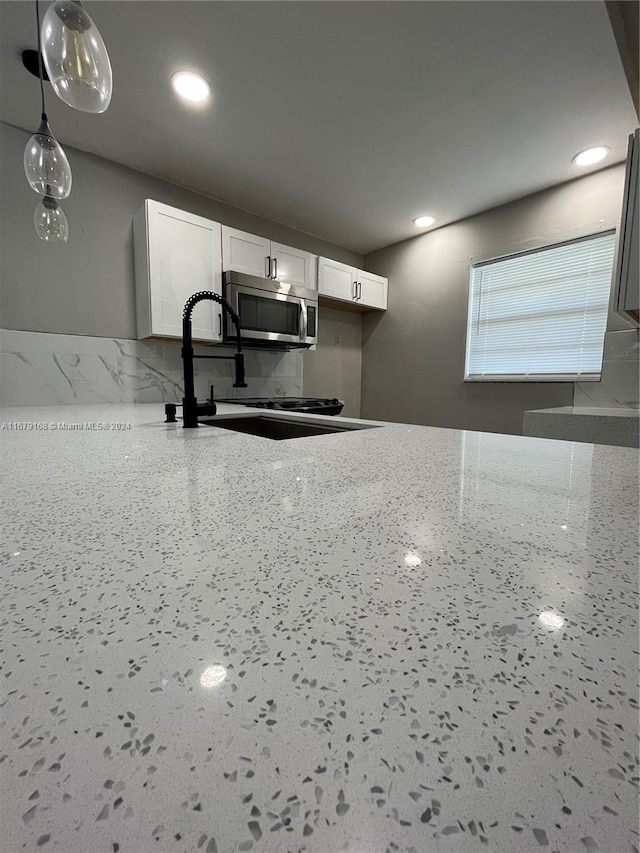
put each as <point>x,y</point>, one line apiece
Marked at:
<point>189,401</point>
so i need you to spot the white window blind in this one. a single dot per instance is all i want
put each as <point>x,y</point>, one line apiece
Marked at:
<point>542,315</point>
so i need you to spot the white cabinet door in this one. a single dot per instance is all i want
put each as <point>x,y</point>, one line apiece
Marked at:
<point>255,255</point>
<point>372,290</point>
<point>294,265</point>
<point>244,252</point>
<point>177,254</point>
<point>336,280</point>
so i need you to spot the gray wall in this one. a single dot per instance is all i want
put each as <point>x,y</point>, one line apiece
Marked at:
<point>413,355</point>
<point>334,369</point>
<point>86,287</point>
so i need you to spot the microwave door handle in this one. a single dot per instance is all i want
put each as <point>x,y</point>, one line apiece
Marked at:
<point>303,319</point>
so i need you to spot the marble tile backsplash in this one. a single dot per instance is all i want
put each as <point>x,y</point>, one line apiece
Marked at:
<point>620,382</point>
<point>48,369</point>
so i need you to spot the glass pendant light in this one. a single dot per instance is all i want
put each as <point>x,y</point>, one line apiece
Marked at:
<point>50,221</point>
<point>45,163</point>
<point>76,58</point>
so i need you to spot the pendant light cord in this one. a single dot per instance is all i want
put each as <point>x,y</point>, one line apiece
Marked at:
<point>40,68</point>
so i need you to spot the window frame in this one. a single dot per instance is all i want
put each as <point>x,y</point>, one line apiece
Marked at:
<point>530,377</point>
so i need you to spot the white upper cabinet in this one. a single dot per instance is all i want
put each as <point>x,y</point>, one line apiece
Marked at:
<point>255,255</point>
<point>294,265</point>
<point>244,252</point>
<point>372,290</point>
<point>176,255</point>
<point>348,284</point>
<point>339,281</point>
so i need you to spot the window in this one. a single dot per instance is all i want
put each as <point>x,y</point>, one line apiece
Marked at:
<point>540,315</point>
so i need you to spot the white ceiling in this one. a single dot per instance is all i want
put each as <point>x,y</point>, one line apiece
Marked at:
<point>346,119</point>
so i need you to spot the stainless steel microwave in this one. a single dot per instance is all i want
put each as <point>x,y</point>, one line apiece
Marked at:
<point>272,313</point>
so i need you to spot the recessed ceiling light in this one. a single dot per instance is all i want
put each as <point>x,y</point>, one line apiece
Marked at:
<point>591,156</point>
<point>190,86</point>
<point>424,221</point>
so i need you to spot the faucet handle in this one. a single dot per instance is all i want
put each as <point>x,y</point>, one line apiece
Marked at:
<point>239,360</point>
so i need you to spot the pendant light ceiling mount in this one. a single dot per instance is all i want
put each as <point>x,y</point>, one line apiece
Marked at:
<point>31,62</point>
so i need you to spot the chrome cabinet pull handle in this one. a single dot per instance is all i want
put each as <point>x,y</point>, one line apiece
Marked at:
<point>275,268</point>
<point>268,266</point>
<point>355,290</point>
<point>359,290</point>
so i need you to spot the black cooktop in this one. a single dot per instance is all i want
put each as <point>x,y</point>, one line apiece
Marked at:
<point>311,405</point>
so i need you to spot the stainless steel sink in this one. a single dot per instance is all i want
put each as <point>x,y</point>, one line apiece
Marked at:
<point>279,429</point>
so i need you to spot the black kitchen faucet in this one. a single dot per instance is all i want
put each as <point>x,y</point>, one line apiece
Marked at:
<point>189,401</point>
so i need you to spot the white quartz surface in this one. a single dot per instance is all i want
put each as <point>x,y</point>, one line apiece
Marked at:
<point>396,639</point>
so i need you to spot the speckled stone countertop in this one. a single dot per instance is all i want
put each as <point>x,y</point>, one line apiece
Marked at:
<point>590,411</point>
<point>619,427</point>
<point>396,639</point>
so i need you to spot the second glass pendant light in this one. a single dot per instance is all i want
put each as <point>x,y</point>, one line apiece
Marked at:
<point>46,165</point>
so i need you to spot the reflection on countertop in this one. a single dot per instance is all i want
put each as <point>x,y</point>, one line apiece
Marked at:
<point>400,639</point>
